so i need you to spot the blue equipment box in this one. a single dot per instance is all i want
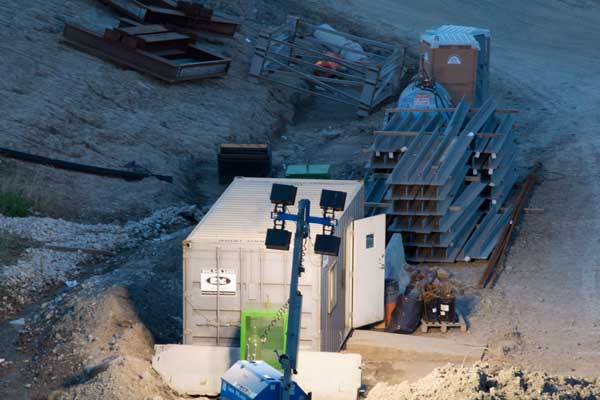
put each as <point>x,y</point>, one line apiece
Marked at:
<point>255,380</point>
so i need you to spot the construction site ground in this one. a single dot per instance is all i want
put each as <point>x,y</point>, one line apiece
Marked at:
<point>92,279</point>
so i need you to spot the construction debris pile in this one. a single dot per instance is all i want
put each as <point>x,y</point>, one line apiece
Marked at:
<point>445,178</point>
<point>478,382</point>
<point>159,41</point>
<point>429,300</point>
<point>336,65</point>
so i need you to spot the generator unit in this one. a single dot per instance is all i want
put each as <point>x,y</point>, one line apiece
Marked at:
<point>255,380</point>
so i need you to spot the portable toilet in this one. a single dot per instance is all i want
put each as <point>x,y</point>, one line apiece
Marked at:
<point>483,37</point>
<point>458,57</point>
<point>226,266</point>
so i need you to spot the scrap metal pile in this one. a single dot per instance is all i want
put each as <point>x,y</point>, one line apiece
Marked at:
<point>159,41</point>
<point>336,65</point>
<point>429,300</point>
<point>449,176</point>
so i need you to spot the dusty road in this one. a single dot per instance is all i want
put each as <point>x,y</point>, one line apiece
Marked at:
<point>544,311</point>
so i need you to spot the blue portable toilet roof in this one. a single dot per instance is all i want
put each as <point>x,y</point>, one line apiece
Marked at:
<point>469,30</point>
<point>437,38</point>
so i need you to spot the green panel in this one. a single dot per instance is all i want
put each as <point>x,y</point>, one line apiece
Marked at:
<point>310,171</point>
<point>254,344</point>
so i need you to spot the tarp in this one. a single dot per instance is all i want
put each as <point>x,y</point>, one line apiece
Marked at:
<point>395,263</point>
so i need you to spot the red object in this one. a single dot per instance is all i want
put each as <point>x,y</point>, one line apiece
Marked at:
<point>332,65</point>
<point>389,310</point>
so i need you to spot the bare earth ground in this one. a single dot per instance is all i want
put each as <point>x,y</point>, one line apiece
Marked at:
<point>59,102</point>
<point>94,341</point>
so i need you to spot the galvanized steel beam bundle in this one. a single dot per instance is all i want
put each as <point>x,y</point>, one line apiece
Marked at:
<point>449,181</point>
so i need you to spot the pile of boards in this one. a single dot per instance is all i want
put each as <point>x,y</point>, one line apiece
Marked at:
<point>448,175</point>
<point>177,13</point>
<point>158,41</point>
<point>243,160</point>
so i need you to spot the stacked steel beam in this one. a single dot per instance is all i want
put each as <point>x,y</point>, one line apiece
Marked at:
<point>388,146</point>
<point>448,183</point>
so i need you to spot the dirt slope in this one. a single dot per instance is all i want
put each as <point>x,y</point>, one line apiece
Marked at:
<point>545,61</point>
<point>59,102</point>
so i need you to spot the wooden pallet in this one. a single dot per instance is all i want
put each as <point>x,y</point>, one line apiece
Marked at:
<point>443,326</point>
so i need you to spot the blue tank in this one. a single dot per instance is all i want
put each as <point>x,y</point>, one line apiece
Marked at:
<point>418,96</point>
<point>422,97</point>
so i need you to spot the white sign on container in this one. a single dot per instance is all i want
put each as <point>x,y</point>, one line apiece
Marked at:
<point>222,281</point>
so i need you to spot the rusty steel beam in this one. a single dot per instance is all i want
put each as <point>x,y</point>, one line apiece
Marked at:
<point>190,63</point>
<point>490,274</point>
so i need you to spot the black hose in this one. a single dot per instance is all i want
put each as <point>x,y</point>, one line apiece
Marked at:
<point>88,169</point>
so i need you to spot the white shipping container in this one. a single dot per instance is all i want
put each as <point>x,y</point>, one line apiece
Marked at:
<point>226,265</point>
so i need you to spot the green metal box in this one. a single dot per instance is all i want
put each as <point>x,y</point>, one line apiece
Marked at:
<point>308,171</point>
<point>263,330</point>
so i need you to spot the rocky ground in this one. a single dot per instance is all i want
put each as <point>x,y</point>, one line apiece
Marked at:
<point>484,383</point>
<point>95,340</point>
<point>57,252</point>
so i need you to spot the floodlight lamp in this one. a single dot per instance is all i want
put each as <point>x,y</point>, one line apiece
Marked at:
<point>331,199</point>
<point>278,239</point>
<point>327,245</point>
<point>283,194</point>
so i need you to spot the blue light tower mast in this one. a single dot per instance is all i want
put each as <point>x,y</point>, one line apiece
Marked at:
<point>236,384</point>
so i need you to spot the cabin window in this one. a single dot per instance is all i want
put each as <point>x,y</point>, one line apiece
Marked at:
<point>370,240</point>
<point>332,292</point>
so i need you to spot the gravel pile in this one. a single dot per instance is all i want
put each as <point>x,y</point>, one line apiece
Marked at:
<point>97,346</point>
<point>61,250</point>
<point>108,237</point>
<point>481,383</point>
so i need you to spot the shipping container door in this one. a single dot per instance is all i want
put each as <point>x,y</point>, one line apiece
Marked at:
<point>369,274</point>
